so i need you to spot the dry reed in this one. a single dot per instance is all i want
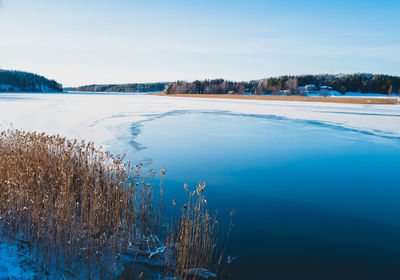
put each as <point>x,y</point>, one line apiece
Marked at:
<point>195,248</point>
<point>77,206</point>
<point>81,210</point>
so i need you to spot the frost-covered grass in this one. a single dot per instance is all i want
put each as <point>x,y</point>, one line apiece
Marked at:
<point>77,206</point>
<point>200,244</point>
<point>82,211</point>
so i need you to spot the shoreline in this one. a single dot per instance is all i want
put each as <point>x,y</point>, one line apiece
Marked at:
<point>350,100</point>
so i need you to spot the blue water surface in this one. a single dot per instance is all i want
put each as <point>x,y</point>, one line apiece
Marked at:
<point>313,201</point>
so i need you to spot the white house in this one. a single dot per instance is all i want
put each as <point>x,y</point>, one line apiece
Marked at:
<point>310,88</point>
<point>325,90</point>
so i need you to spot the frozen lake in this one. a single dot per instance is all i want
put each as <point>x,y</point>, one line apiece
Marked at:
<point>315,185</point>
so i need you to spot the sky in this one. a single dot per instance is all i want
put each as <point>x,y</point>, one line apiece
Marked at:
<point>79,42</point>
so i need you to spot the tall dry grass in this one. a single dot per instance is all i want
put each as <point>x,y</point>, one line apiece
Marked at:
<point>196,244</point>
<point>81,210</point>
<point>79,207</point>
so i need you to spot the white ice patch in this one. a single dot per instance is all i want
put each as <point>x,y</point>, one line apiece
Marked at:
<point>93,116</point>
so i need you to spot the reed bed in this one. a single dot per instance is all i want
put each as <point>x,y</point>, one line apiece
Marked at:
<point>195,240</point>
<point>81,211</point>
<point>78,207</point>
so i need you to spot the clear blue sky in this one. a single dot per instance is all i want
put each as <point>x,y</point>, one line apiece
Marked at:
<point>94,41</point>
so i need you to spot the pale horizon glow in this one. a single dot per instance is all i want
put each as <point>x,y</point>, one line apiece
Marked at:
<point>121,41</point>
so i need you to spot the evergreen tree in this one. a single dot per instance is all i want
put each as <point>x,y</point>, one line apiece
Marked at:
<point>26,82</point>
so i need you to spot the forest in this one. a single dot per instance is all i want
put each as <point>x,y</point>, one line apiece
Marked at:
<point>11,80</point>
<point>360,82</point>
<point>136,87</point>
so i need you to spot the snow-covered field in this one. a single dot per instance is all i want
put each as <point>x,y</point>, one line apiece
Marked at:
<point>93,117</point>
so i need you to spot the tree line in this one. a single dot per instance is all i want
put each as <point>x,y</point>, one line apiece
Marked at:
<point>138,87</point>
<point>11,80</point>
<point>360,82</point>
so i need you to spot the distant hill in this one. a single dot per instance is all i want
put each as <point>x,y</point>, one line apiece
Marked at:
<point>11,81</point>
<point>139,87</point>
<point>360,82</point>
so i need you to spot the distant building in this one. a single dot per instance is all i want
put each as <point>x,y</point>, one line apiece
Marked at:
<point>325,90</point>
<point>301,90</point>
<point>310,88</point>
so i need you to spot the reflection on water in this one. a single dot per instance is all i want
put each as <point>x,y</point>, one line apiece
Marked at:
<point>313,201</point>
